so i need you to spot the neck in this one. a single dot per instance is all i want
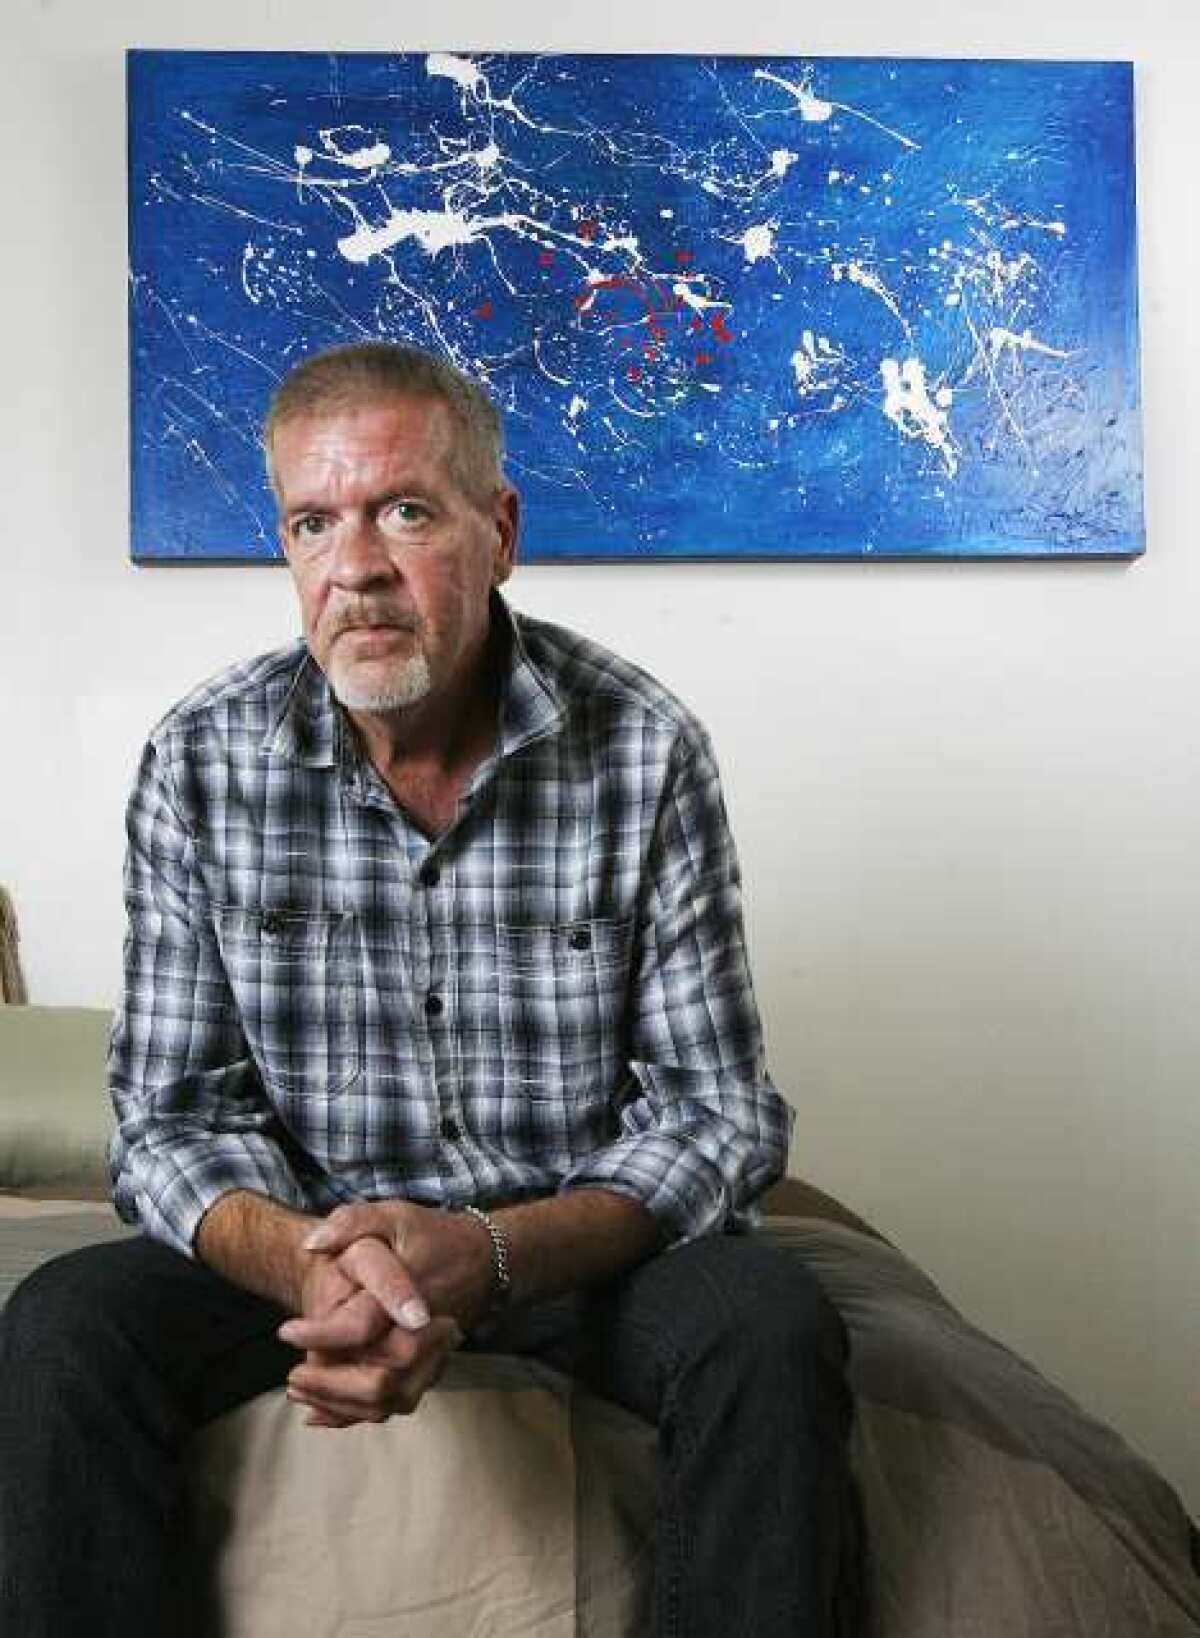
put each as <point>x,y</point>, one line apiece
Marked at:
<point>427,753</point>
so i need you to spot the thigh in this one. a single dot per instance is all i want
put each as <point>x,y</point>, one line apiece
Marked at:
<point>729,1303</point>
<point>732,1303</point>
<point>136,1305</point>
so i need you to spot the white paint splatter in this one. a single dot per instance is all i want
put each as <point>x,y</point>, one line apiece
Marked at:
<point>693,299</point>
<point>867,280</point>
<point>758,242</point>
<point>576,407</point>
<point>1007,272</point>
<point>782,160</point>
<point>816,364</point>
<point>1026,342</point>
<point>433,230</point>
<point>909,406</point>
<point>815,110</point>
<point>367,158</point>
<point>445,65</point>
<point>1059,229</point>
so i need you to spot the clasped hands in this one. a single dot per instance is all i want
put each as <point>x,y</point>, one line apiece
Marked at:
<point>388,1291</point>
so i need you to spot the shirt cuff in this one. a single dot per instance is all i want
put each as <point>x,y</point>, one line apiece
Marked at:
<point>168,1188</point>
<point>688,1195</point>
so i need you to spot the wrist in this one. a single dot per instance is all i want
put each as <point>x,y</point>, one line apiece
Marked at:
<point>257,1243</point>
<point>302,1262</point>
<point>497,1291</point>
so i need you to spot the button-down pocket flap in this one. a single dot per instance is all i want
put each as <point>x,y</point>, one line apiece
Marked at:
<point>580,946</point>
<point>561,994</point>
<point>295,975</point>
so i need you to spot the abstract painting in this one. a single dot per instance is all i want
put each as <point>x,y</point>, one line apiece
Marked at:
<point>732,307</point>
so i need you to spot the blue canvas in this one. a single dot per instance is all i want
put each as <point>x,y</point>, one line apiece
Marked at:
<point>732,307</point>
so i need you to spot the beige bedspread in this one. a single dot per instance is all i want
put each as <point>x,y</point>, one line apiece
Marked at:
<point>513,1504</point>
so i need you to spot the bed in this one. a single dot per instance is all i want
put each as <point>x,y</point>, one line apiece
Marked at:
<point>514,1503</point>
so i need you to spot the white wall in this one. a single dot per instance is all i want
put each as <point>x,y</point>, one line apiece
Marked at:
<point>968,797</point>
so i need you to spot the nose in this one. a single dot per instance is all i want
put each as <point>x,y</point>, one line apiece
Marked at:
<point>362,558</point>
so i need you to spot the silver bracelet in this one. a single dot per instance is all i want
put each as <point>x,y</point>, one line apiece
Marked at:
<point>501,1255</point>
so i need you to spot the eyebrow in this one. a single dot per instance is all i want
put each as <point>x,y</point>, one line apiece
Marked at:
<point>395,492</point>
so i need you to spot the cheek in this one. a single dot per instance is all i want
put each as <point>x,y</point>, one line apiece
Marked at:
<point>304,581</point>
<point>310,594</point>
<point>462,605</point>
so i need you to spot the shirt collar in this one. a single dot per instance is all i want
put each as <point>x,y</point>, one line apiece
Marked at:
<point>530,706</point>
<point>306,727</point>
<point>309,727</point>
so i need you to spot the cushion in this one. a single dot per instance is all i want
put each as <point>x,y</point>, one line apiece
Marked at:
<point>55,1117</point>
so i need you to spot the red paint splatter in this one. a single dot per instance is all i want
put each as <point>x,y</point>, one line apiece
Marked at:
<point>683,257</point>
<point>704,358</point>
<point>618,281</point>
<point>545,258</point>
<point>634,372</point>
<point>720,328</point>
<point>587,230</point>
<point>696,324</point>
<point>650,352</point>
<point>484,310</point>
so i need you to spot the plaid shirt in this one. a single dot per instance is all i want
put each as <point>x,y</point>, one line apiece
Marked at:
<point>323,1005</point>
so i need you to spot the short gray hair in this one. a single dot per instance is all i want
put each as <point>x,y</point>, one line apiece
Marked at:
<point>338,377</point>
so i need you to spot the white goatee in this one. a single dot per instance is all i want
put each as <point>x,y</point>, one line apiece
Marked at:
<point>407,687</point>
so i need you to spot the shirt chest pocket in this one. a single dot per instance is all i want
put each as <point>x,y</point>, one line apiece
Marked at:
<point>561,994</point>
<point>296,980</point>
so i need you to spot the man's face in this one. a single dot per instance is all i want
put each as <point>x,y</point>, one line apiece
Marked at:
<point>393,560</point>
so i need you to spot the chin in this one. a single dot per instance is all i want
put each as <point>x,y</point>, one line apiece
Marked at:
<point>358,690</point>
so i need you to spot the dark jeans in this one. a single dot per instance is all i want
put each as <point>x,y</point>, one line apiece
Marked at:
<point>111,1356</point>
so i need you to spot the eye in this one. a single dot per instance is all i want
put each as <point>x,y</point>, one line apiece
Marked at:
<point>309,526</point>
<point>405,515</point>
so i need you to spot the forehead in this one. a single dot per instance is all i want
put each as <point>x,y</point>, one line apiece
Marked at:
<point>361,444</point>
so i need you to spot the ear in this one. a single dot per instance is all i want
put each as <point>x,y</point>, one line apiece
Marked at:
<point>506,517</point>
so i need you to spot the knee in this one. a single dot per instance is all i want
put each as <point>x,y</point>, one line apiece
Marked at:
<point>57,1322</point>
<point>760,1304</point>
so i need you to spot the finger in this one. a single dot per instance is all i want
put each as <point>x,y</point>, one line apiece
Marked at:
<point>407,1349</point>
<point>382,1385</point>
<point>318,1417</point>
<point>353,1324</point>
<point>325,1286</point>
<point>364,1392</point>
<point>377,1269</point>
<point>344,1225</point>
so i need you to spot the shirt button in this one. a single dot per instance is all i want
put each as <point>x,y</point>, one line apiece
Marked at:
<point>429,875</point>
<point>433,1005</point>
<point>451,1130</point>
<point>580,939</point>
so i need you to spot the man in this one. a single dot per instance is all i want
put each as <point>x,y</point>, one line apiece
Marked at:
<point>437,1027</point>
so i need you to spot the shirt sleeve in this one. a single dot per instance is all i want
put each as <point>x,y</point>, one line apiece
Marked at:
<point>703,1131</point>
<point>193,1122</point>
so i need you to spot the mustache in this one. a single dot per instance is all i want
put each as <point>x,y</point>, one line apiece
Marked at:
<point>352,616</point>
